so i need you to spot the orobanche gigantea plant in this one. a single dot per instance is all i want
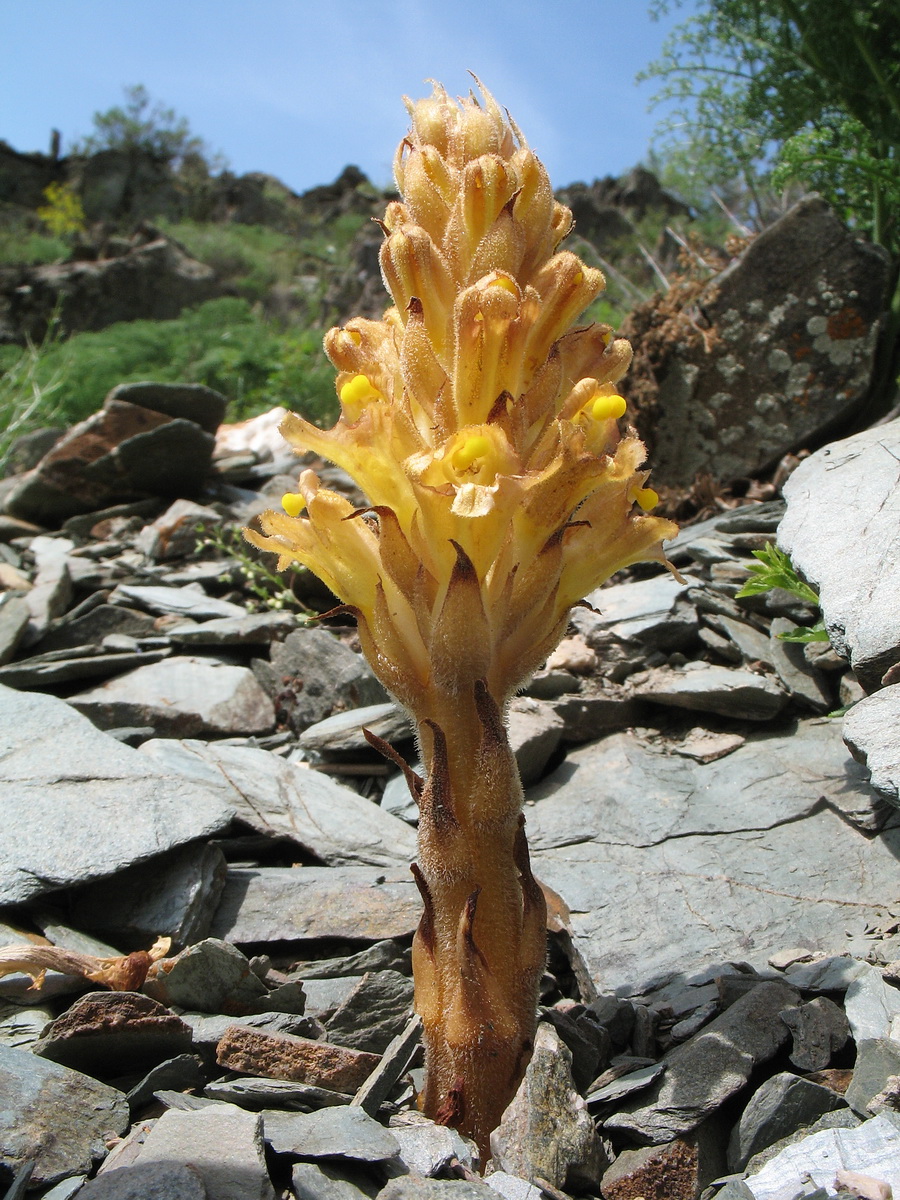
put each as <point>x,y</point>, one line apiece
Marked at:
<point>482,426</point>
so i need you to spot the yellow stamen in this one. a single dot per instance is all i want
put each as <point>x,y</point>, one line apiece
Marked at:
<point>471,449</point>
<point>356,394</point>
<point>645,498</point>
<point>293,503</point>
<point>606,407</point>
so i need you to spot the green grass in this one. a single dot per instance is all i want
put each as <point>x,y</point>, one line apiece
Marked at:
<point>21,242</point>
<point>224,344</point>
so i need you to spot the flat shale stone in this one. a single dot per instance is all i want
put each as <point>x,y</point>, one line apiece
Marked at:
<point>870,730</point>
<point>14,617</point>
<point>282,1056</point>
<point>665,863</point>
<point>315,1181</point>
<point>411,1187</point>
<point>260,1094</point>
<point>58,1117</point>
<point>270,904</point>
<point>60,777</point>
<point>877,1059</point>
<point>182,696</point>
<point>223,1144</point>
<point>280,799</point>
<point>211,976</point>
<point>819,1030</point>
<point>374,1013</point>
<point>254,629</point>
<point>703,687</point>
<point>701,1074</point>
<point>337,1132</point>
<point>181,601</point>
<point>648,611</point>
<point>427,1148</point>
<point>139,1181</point>
<point>871,1005</point>
<point>842,531</point>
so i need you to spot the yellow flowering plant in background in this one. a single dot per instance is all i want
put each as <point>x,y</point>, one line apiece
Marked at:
<point>483,426</point>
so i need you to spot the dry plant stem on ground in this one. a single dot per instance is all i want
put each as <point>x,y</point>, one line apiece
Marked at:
<point>483,427</point>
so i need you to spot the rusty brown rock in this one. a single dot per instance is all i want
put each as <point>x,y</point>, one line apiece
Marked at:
<point>666,1172</point>
<point>284,1056</point>
<point>114,1032</point>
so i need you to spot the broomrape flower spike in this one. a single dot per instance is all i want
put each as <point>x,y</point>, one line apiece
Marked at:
<point>482,425</point>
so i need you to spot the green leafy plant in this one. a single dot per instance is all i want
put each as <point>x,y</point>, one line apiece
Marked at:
<point>775,570</point>
<point>270,590</point>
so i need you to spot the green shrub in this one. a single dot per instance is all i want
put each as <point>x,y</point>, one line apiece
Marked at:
<point>222,344</point>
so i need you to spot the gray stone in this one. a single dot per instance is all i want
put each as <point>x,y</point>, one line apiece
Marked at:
<point>161,1180</point>
<point>312,1181</point>
<point>830,974</point>
<point>343,733</point>
<point>55,1116</point>
<point>626,1085</point>
<point>52,796</point>
<point>547,1131</point>
<point>210,977</point>
<point>427,1148</point>
<point>337,1132</point>
<point>787,349</point>
<point>375,1012</point>
<point>312,674</point>
<point>395,1060</point>
<point>704,687</point>
<point>257,1095</point>
<point>47,671</point>
<point>870,730</point>
<point>701,1074</point>
<point>175,895</point>
<point>102,1032</point>
<point>208,1030</point>
<point>819,1030</point>
<point>271,904</point>
<point>21,1026</point>
<point>534,731</point>
<point>779,1107</point>
<point>664,863</point>
<point>223,1144</point>
<point>650,611</point>
<point>324,996</point>
<point>588,717</point>
<point>280,799</point>
<point>873,1148</point>
<point>180,602</point>
<point>187,401</point>
<point>871,1005</point>
<point>177,531</point>
<point>877,1059</point>
<point>397,799</point>
<point>66,1188</point>
<point>14,617</point>
<point>181,697</point>
<point>412,1187</point>
<point>181,1073</point>
<point>512,1187</point>
<point>255,629</point>
<point>51,590</point>
<point>91,627</point>
<point>805,683</point>
<point>387,955</point>
<point>842,531</point>
<point>677,1170</point>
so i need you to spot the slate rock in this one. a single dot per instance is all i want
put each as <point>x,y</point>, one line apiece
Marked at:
<point>289,903</point>
<point>832,973</point>
<point>870,730</point>
<point>705,687</point>
<point>396,1059</point>
<point>411,1187</point>
<point>107,1033</point>
<point>342,733</point>
<point>190,601</point>
<point>223,1144</point>
<point>91,627</point>
<point>819,1030</point>
<point>56,1116</point>
<point>703,1073</point>
<point>320,1181</point>
<point>877,1059</point>
<point>122,452</point>
<point>805,683</point>
<point>182,696</point>
<point>664,863</point>
<point>781,1105</point>
<point>794,324</point>
<point>280,799</point>
<point>871,1005</point>
<point>184,1072</point>
<point>872,1148</point>
<point>51,591</point>
<point>254,629</point>
<point>427,1148</point>
<point>21,1026</point>
<point>842,532</point>
<point>374,1013</point>
<point>546,1131</point>
<point>512,1187</point>
<point>161,1180</point>
<point>210,977</point>
<point>207,1030</point>
<point>14,617</point>
<point>336,1132</point>
<point>312,674</point>
<point>188,401</point>
<point>303,1060</point>
<point>50,799</point>
<point>175,895</point>
<point>652,612</point>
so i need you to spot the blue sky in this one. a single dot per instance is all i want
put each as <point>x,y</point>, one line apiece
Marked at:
<point>300,88</point>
